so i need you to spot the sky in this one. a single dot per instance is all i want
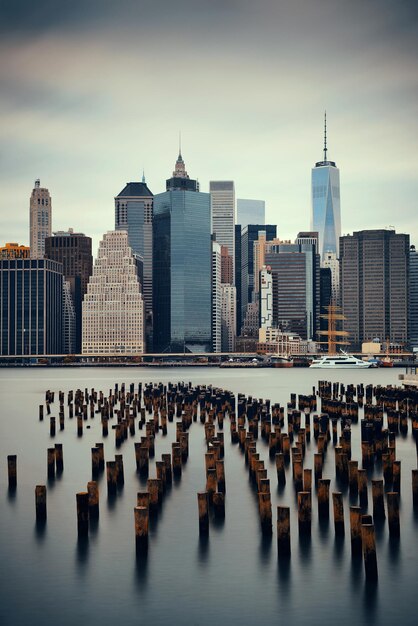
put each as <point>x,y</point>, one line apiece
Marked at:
<point>94,91</point>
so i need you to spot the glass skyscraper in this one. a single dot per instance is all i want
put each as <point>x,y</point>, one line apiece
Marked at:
<point>326,212</point>
<point>182,266</point>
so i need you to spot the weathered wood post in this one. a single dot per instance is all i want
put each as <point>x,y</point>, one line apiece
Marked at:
<point>355,529</point>
<point>283,531</point>
<point>362,488</point>
<point>304,512</point>
<point>82,513</point>
<point>51,462</point>
<point>220,476</point>
<point>378,500</point>
<point>93,491</point>
<point>12,470</point>
<point>219,504</point>
<point>369,551</point>
<point>203,507</point>
<point>59,458</point>
<point>40,502</point>
<point>393,513</point>
<point>337,499</point>
<point>264,507</point>
<point>280,467</point>
<point>141,529</point>
<point>111,472</point>
<point>415,487</point>
<point>323,498</point>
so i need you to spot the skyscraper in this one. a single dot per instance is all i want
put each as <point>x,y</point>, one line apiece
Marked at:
<point>326,212</point>
<point>216,297</point>
<point>237,262</point>
<point>374,268</point>
<point>229,324</point>
<point>113,307</point>
<point>182,266</point>
<point>73,250</point>
<point>134,213</point>
<point>40,220</point>
<point>222,201</point>
<point>251,212</point>
<point>31,307</point>
<point>413,297</point>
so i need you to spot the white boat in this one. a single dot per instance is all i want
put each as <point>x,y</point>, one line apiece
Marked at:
<point>339,361</point>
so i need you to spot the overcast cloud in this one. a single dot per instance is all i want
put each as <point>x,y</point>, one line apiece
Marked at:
<point>93,91</point>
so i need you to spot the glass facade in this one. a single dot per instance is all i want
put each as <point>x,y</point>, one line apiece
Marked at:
<point>326,212</point>
<point>182,271</point>
<point>249,235</point>
<point>31,307</point>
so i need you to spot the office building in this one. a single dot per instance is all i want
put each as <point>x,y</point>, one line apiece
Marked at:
<point>14,251</point>
<point>374,276</point>
<point>330,260</point>
<point>69,321</point>
<point>216,297</point>
<point>326,212</point>
<point>237,270</point>
<point>73,250</point>
<point>266,298</point>
<point>249,235</point>
<point>31,307</point>
<point>229,328</point>
<point>227,266</point>
<point>182,266</point>
<point>413,298</point>
<point>325,297</point>
<point>134,213</point>
<point>222,201</point>
<point>251,212</point>
<point>40,220</point>
<point>295,270</point>
<point>113,307</point>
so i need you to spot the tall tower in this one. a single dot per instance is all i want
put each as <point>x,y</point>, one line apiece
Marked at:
<point>326,212</point>
<point>40,220</point>
<point>182,266</point>
<point>113,308</point>
<point>222,204</point>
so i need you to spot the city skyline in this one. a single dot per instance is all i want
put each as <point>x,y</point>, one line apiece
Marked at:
<point>257,121</point>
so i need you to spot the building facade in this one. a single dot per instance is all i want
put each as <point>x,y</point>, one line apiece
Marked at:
<point>40,214</point>
<point>413,297</point>
<point>222,204</point>
<point>237,270</point>
<point>73,250</point>
<point>330,261</point>
<point>251,212</point>
<point>14,251</point>
<point>134,213</point>
<point>216,297</point>
<point>182,266</point>
<point>326,210</point>
<point>31,307</point>
<point>374,277</point>
<point>69,321</point>
<point>229,328</point>
<point>113,307</point>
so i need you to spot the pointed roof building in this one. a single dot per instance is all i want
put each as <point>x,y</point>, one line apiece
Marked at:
<point>180,179</point>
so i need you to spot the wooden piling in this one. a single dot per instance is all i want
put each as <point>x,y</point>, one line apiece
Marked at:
<point>220,476</point>
<point>82,499</point>
<point>362,488</point>
<point>280,467</point>
<point>355,530</point>
<point>378,500</point>
<point>141,529</point>
<point>283,531</point>
<point>304,512</point>
<point>52,426</point>
<point>51,462</point>
<point>219,504</point>
<point>12,470</point>
<point>353,477</point>
<point>393,513</point>
<point>415,487</point>
<point>120,476</point>
<point>203,508</point>
<point>111,474</point>
<point>154,494</point>
<point>59,458</point>
<point>338,506</point>
<point>93,491</point>
<point>369,551</point>
<point>264,507</point>
<point>323,498</point>
<point>40,502</point>
<point>168,469</point>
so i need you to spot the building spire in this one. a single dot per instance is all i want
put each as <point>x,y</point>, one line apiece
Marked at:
<point>143,176</point>
<point>179,143</point>
<point>325,136</point>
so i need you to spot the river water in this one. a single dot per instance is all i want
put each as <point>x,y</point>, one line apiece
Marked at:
<point>48,576</point>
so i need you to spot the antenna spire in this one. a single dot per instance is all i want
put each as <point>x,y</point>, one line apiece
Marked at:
<point>180,142</point>
<point>325,136</point>
<point>143,175</point>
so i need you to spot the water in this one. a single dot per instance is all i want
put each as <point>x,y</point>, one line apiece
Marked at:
<point>48,577</point>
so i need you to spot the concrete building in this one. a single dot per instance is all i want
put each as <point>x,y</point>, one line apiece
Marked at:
<point>266,298</point>
<point>374,277</point>
<point>228,318</point>
<point>251,212</point>
<point>134,213</point>
<point>237,263</point>
<point>40,208</point>
<point>14,251</point>
<point>326,211</point>
<point>295,270</point>
<point>227,266</point>
<point>73,250</point>
<point>69,321</point>
<point>31,307</point>
<point>113,307</point>
<point>216,297</point>
<point>330,261</point>
<point>249,235</point>
<point>325,297</point>
<point>222,205</point>
<point>413,297</point>
<point>182,266</point>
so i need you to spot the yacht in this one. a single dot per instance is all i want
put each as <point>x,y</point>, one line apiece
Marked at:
<point>339,361</point>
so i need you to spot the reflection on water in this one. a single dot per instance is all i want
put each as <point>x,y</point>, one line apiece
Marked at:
<point>40,530</point>
<point>203,550</point>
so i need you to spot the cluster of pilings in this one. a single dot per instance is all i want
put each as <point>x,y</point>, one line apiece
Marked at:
<point>149,408</point>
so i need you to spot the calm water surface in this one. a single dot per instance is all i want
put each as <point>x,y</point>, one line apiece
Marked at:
<point>48,577</point>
